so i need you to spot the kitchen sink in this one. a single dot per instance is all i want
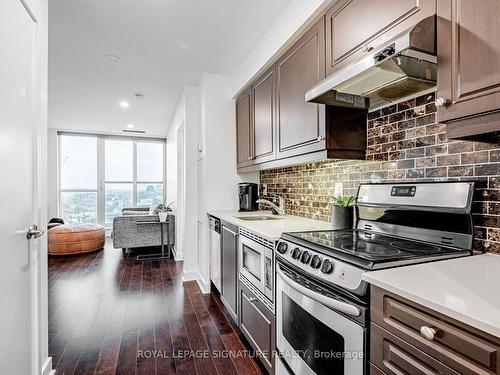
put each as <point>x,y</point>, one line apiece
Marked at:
<point>257,218</point>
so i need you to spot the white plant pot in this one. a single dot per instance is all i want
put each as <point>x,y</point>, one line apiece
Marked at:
<point>163,216</point>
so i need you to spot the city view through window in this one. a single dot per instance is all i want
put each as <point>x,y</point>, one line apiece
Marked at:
<point>130,175</point>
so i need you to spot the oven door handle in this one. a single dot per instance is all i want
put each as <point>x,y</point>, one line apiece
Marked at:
<point>324,300</point>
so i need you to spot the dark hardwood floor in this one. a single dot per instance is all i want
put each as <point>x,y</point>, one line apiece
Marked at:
<point>109,314</point>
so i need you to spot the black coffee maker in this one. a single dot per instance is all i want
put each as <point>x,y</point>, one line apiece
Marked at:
<point>248,194</point>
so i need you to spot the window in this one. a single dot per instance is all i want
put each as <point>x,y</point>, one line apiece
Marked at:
<point>78,180</point>
<point>101,175</point>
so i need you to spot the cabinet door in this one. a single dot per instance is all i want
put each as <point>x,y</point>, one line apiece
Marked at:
<point>244,138</point>
<point>258,325</point>
<point>263,118</point>
<point>355,27</point>
<point>301,125</point>
<point>468,57</point>
<point>229,268</point>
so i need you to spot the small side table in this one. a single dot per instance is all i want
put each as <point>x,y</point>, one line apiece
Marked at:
<point>157,256</point>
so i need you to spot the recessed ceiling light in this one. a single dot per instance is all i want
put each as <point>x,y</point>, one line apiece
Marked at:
<point>114,58</point>
<point>124,104</point>
<point>130,126</point>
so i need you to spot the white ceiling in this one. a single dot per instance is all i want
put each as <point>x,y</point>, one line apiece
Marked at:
<point>163,44</point>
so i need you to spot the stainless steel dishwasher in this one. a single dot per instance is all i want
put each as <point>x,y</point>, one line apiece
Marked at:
<point>215,251</point>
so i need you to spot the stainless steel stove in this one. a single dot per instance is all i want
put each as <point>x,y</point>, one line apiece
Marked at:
<point>320,291</point>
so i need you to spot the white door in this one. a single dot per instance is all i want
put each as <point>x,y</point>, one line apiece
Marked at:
<point>18,204</point>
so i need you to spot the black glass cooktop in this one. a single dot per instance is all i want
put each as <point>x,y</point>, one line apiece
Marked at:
<point>373,248</point>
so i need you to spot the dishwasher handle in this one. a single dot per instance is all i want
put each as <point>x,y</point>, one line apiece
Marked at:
<point>214,224</point>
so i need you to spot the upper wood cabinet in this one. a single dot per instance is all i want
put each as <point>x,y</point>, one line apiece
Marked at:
<point>264,138</point>
<point>355,27</point>
<point>301,125</point>
<point>244,137</point>
<point>469,66</point>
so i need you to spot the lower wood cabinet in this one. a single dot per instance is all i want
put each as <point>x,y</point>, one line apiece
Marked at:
<point>258,325</point>
<point>229,274</point>
<point>407,338</point>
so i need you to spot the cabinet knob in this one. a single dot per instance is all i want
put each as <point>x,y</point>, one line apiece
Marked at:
<point>428,333</point>
<point>320,138</point>
<point>253,299</point>
<point>441,102</point>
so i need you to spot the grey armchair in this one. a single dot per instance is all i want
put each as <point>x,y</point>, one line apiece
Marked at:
<point>129,232</point>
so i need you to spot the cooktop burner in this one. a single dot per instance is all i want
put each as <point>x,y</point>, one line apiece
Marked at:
<point>416,247</point>
<point>369,248</point>
<point>372,247</point>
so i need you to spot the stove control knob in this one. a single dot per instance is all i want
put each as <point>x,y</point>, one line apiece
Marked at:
<point>327,267</point>
<point>282,247</point>
<point>306,257</point>
<point>296,253</point>
<point>316,261</point>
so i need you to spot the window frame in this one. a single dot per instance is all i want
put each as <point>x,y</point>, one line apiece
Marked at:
<point>101,171</point>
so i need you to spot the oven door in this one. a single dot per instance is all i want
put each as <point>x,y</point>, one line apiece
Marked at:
<point>313,338</point>
<point>256,265</point>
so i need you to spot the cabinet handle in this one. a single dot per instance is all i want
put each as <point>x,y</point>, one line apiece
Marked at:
<point>428,333</point>
<point>320,138</point>
<point>441,102</point>
<point>367,48</point>
<point>253,299</point>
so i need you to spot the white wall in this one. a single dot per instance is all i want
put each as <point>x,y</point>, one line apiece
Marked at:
<point>293,18</point>
<point>52,173</point>
<point>217,176</point>
<point>186,120</point>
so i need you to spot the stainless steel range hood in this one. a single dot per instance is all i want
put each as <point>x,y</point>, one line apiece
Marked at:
<point>404,66</point>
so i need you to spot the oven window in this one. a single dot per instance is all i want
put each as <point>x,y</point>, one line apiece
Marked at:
<point>316,343</point>
<point>251,262</point>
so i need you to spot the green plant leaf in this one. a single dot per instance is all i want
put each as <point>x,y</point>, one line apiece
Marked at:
<point>345,200</point>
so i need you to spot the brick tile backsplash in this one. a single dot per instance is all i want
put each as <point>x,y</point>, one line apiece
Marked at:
<point>404,144</point>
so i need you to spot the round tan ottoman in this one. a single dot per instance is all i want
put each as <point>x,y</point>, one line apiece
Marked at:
<point>76,239</point>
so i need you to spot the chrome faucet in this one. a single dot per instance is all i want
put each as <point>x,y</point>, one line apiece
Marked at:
<point>280,208</point>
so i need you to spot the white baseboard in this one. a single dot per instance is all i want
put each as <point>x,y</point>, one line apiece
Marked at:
<point>203,284</point>
<point>47,367</point>
<point>178,256</point>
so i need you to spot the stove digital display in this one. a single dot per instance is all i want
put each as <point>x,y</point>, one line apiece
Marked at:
<point>403,191</point>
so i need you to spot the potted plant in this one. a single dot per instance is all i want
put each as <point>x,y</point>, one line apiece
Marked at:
<point>343,212</point>
<point>163,211</point>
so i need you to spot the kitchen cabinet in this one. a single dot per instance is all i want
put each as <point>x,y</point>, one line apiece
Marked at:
<point>263,118</point>
<point>258,325</point>
<point>406,337</point>
<point>300,125</point>
<point>356,27</point>
<point>230,268</point>
<point>244,137</point>
<point>468,41</point>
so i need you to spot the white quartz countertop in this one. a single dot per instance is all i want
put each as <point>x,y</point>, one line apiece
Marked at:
<point>466,289</point>
<point>270,229</point>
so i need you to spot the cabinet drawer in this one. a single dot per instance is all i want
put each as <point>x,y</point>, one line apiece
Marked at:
<point>462,348</point>
<point>374,370</point>
<point>393,355</point>
<point>258,325</point>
